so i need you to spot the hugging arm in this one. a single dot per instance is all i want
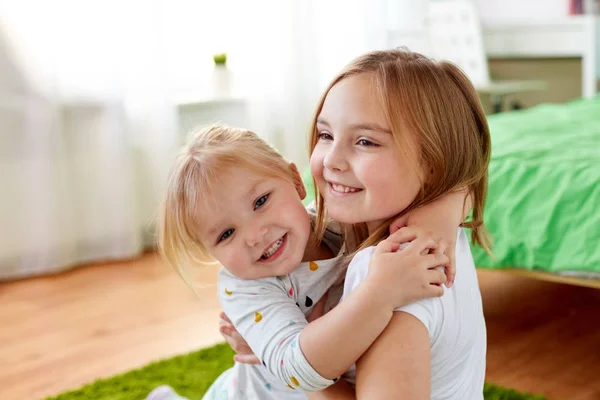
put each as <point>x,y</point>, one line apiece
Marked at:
<point>398,364</point>
<point>341,390</point>
<point>441,218</point>
<point>302,355</point>
<point>310,356</point>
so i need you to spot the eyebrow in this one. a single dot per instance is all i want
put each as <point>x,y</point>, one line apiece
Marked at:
<point>369,126</point>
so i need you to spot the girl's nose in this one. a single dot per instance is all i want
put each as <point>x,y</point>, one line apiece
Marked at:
<point>335,159</point>
<point>255,235</point>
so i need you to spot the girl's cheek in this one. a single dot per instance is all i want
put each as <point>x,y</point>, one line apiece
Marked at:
<point>316,167</point>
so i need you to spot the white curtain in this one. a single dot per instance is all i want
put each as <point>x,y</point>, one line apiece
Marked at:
<point>290,56</point>
<point>86,132</point>
<point>88,95</point>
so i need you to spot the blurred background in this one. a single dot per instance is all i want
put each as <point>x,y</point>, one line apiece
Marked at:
<point>96,97</point>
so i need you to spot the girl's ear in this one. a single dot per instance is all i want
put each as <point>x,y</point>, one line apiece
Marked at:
<point>298,181</point>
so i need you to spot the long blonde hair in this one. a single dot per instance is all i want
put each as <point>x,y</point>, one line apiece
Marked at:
<point>439,105</point>
<point>209,153</point>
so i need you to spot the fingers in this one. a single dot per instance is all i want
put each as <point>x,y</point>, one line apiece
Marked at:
<point>436,276</point>
<point>224,317</point>
<point>422,245</point>
<point>235,340</point>
<point>451,268</point>
<point>403,235</point>
<point>227,329</point>
<point>436,291</point>
<point>246,359</point>
<point>244,355</point>
<point>387,246</point>
<point>449,251</point>
<point>398,223</point>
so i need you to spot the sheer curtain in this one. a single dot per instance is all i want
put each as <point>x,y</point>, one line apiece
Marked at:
<point>289,57</point>
<point>88,124</point>
<point>86,132</point>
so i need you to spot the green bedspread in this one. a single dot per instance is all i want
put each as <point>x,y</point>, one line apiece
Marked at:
<point>543,204</point>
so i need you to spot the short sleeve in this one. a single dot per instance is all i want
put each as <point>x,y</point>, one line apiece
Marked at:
<point>357,269</point>
<point>425,310</point>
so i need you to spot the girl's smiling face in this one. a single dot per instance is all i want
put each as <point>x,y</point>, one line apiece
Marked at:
<point>357,164</point>
<point>255,225</point>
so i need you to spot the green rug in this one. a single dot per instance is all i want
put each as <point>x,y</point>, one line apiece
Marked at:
<point>191,375</point>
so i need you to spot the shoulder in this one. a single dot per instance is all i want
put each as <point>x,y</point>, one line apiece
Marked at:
<point>361,260</point>
<point>358,269</point>
<point>428,311</point>
<point>363,256</point>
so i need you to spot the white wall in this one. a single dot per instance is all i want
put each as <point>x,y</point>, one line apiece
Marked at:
<point>502,10</point>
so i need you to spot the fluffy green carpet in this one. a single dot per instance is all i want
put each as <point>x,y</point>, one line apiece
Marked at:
<point>191,374</point>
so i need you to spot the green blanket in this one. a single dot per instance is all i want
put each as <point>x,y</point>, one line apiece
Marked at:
<point>543,204</point>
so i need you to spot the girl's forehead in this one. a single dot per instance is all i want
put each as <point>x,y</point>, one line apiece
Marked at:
<point>353,101</point>
<point>236,184</point>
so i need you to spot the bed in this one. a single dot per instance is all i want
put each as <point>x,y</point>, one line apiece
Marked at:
<point>543,204</point>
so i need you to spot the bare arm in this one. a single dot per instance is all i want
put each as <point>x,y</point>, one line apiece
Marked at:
<point>341,390</point>
<point>394,279</point>
<point>326,342</point>
<point>398,364</point>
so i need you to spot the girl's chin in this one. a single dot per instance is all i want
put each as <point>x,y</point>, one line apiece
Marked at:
<point>350,217</point>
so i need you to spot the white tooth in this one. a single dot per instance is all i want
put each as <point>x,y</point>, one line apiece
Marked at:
<point>273,248</point>
<point>344,189</point>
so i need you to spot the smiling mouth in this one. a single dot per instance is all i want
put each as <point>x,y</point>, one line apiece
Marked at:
<point>342,189</point>
<point>274,250</point>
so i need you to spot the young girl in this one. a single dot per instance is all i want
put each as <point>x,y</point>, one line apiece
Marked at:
<point>396,130</point>
<point>421,123</point>
<point>234,200</point>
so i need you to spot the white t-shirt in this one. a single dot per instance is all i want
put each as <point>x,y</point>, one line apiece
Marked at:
<point>455,323</point>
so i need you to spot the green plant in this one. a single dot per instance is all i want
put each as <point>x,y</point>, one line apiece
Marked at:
<point>220,58</point>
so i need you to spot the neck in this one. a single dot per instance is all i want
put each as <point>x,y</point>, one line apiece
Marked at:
<point>315,253</point>
<point>373,225</point>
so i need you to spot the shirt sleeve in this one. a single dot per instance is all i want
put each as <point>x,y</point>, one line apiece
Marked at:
<point>357,270</point>
<point>270,321</point>
<point>425,310</point>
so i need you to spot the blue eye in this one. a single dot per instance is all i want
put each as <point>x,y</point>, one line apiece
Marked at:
<point>325,136</point>
<point>367,143</point>
<point>261,201</point>
<point>225,235</point>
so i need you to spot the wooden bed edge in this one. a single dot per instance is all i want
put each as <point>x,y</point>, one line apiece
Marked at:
<point>548,277</point>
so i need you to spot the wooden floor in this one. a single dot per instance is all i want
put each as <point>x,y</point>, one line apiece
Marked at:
<point>60,332</point>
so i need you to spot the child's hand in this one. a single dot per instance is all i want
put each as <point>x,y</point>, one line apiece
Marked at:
<point>411,274</point>
<point>243,352</point>
<point>446,244</point>
<point>441,217</point>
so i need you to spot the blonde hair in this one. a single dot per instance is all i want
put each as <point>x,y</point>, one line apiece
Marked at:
<point>209,153</point>
<point>439,105</point>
